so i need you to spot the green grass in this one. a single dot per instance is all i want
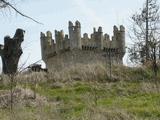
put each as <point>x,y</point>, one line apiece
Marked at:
<point>134,96</point>
<point>80,96</point>
<point>125,96</point>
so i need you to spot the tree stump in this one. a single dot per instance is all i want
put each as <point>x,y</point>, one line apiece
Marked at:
<point>11,52</point>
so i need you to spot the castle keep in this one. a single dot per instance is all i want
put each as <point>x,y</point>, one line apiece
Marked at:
<point>66,50</point>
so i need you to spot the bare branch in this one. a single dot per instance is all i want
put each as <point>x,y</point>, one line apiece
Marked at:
<point>5,4</point>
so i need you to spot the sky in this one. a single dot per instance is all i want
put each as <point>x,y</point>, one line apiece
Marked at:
<point>55,14</point>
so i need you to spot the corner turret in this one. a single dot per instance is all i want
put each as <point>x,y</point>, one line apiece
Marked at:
<point>122,39</point>
<point>118,40</point>
<point>47,44</point>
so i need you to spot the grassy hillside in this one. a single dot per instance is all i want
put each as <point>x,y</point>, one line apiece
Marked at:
<point>86,92</point>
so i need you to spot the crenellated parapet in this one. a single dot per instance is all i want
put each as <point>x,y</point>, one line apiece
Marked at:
<point>100,41</point>
<point>96,41</point>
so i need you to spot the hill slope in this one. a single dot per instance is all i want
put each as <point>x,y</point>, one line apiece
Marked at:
<point>86,93</point>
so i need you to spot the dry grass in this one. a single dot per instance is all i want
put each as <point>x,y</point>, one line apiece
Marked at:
<point>86,92</point>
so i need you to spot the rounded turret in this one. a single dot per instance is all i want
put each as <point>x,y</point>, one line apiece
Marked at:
<point>121,41</point>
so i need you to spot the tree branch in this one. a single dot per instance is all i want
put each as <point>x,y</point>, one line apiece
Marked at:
<point>20,13</point>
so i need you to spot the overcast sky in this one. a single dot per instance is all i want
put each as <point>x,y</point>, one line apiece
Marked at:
<point>55,14</point>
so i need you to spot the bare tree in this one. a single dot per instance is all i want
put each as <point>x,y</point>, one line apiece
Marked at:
<point>11,51</point>
<point>145,33</point>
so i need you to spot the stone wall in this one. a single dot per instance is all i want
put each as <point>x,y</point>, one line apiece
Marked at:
<point>72,58</point>
<point>94,45</point>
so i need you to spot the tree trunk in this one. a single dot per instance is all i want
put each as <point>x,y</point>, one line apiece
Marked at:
<point>155,66</point>
<point>11,52</point>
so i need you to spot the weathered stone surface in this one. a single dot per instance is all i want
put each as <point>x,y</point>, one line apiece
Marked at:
<point>96,45</point>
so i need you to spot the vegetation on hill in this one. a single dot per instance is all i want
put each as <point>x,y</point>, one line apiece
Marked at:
<point>85,92</point>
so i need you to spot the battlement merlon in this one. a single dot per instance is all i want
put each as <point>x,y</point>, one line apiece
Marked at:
<point>85,36</point>
<point>46,39</point>
<point>42,35</point>
<point>100,30</point>
<point>70,24</point>
<point>106,36</point>
<point>122,28</point>
<point>77,24</point>
<point>59,34</point>
<point>115,31</point>
<point>49,34</point>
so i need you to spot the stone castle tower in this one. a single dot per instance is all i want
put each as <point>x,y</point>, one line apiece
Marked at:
<point>75,35</point>
<point>72,48</point>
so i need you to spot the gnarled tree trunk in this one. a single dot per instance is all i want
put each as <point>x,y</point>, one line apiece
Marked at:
<point>11,52</point>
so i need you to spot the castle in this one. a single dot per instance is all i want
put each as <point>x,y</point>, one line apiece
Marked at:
<point>66,49</point>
